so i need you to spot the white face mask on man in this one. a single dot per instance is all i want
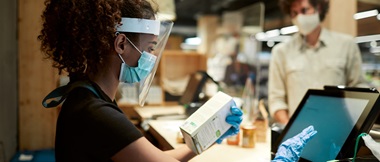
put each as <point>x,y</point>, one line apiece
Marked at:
<point>306,23</point>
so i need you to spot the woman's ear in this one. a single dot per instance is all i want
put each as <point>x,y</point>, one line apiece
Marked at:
<point>120,43</point>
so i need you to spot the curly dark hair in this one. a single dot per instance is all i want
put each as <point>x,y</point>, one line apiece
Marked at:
<point>324,4</point>
<point>79,34</point>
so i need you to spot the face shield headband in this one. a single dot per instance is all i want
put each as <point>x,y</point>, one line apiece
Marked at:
<point>149,31</point>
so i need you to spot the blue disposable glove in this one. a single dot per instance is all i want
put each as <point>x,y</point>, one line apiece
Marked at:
<point>290,150</point>
<point>234,119</point>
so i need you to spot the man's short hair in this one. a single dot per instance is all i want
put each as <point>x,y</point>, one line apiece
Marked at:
<point>324,6</point>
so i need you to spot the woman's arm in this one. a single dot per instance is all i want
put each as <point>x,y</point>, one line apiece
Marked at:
<point>182,153</point>
<point>142,150</point>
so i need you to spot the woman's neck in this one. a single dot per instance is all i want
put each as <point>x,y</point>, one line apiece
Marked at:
<point>107,81</point>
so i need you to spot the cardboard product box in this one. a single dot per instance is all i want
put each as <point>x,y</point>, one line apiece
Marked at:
<point>207,124</point>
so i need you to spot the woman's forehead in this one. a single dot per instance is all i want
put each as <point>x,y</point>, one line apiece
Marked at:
<point>144,40</point>
<point>148,37</point>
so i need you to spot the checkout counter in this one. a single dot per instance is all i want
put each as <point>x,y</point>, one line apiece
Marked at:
<point>162,123</point>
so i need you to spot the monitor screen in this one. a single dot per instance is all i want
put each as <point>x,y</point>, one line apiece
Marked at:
<point>327,115</point>
<point>337,116</point>
<point>194,87</point>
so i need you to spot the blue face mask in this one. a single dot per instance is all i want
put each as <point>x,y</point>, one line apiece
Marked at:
<point>136,74</point>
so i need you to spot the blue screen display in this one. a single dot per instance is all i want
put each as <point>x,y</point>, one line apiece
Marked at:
<point>333,118</point>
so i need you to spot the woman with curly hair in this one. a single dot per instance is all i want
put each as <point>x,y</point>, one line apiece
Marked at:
<point>101,43</point>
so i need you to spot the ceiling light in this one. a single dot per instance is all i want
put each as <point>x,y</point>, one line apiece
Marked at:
<point>289,30</point>
<point>272,33</point>
<point>373,44</point>
<point>367,38</point>
<point>193,41</point>
<point>261,36</point>
<point>270,43</point>
<point>378,17</point>
<point>365,14</point>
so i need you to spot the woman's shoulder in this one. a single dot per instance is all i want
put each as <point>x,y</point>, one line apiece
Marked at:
<point>84,101</point>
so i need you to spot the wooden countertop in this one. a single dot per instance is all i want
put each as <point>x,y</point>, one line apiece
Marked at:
<point>166,132</point>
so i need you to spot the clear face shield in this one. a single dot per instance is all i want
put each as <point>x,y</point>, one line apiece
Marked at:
<point>151,41</point>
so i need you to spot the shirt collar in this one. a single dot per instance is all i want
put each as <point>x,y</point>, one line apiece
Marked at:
<point>324,39</point>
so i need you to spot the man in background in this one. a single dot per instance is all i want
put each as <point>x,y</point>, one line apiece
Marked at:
<point>312,58</point>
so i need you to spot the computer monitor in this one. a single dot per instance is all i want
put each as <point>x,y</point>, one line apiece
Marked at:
<point>356,89</point>
<point>194,87</point>
<point>339,116</point>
